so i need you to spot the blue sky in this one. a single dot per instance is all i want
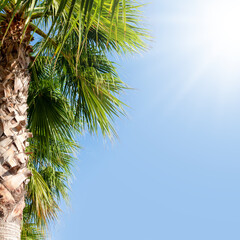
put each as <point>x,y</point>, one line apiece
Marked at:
<point>174,172</point>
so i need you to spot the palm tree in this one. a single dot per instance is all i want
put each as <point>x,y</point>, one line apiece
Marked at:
<point>73,40</point>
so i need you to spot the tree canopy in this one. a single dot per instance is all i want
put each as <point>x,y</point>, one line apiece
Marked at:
<point>74,86</point>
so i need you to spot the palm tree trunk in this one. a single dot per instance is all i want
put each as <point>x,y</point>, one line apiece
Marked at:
<point>14,82</point>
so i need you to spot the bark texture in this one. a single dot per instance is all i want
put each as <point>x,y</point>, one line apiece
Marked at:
<point>14,82</point>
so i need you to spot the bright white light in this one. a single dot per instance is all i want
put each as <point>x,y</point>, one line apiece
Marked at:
<point>210,34</point>
<point>221,23</point>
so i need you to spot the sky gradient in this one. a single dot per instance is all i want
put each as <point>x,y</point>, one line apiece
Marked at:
<point>174,172</point>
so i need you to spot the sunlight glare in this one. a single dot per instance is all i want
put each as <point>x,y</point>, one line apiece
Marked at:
<point>222,28</point>
<point>214,36</point>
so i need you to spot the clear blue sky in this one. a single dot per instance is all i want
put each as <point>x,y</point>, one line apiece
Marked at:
<point>175,172</point>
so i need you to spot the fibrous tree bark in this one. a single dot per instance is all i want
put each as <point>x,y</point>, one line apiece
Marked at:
<point>14,83</point>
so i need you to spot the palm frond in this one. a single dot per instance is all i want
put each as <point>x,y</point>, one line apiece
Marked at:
<point>30,231</point>
<point>51,120</point>
<point>93,91</point>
